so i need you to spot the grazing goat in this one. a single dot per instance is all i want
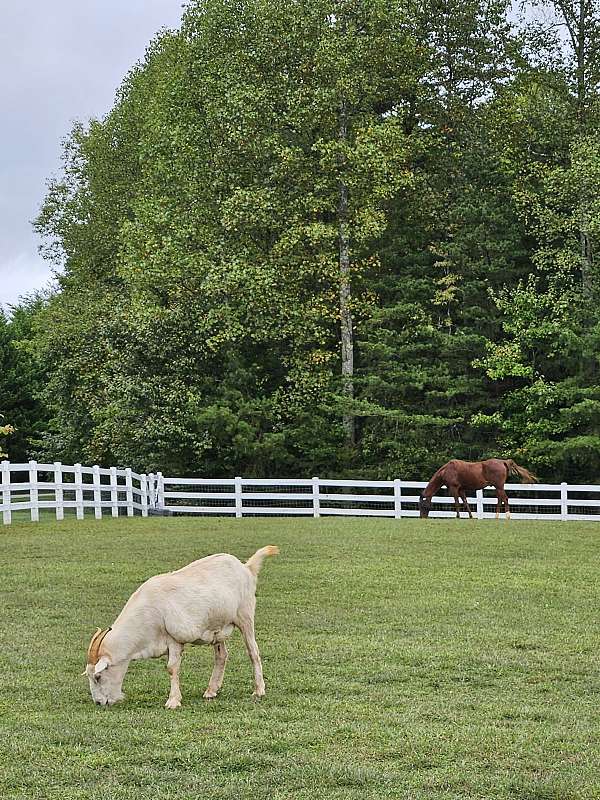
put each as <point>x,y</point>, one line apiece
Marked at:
<point>198,604</point>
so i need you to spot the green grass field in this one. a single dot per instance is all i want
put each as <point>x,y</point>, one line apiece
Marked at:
<point>405,659</point>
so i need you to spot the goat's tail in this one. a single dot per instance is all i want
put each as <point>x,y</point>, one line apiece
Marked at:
<point>254,563</point>
<point>513,468</point>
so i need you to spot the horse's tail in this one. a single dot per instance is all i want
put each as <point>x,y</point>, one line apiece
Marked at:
<point>512,468</point>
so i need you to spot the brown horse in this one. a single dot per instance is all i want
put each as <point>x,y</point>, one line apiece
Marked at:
<point>463,476</point>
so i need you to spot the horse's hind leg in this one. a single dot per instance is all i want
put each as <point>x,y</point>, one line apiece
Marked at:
<point>502,494</point>
<point>463,496</point>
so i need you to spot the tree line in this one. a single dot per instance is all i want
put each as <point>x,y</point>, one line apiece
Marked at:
<point>354,237</point>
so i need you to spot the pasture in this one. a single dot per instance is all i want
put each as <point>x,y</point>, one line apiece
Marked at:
<point>403,659</point>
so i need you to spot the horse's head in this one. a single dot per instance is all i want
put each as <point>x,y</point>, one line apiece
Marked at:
<point>424,506</point>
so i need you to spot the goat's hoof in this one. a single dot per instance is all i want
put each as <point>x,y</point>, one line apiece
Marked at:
<point>258,694</point>
<point>209,695</point>
<point>173,703</point>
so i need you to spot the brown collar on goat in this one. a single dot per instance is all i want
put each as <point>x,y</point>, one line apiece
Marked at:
<point>92,654</point>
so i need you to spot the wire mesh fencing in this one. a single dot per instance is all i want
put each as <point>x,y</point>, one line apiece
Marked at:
<point>32,488</point>
<point>319,497</point>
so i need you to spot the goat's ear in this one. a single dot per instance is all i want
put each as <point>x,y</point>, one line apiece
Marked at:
<point>102,664</point>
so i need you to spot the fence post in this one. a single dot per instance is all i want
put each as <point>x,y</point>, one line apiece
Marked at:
<point>479,496</point>
<point>239,509</point>
<point>58,491</point>
<point>564,504</point>
<point>315,495</point>
<point>397,498</point>
<point>114,495</point>
<point>33,492</point>
<point>160,490</point>
<point>97,492</point>
<point>151,490</point>
<point>78,491</point>
<point>144,495</point>
<point>129,491</point>
<point>6,514</point>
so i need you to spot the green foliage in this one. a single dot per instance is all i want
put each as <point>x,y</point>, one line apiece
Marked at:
<point>5,430</point>
<point>198,323</point>
<point>21,378</point>
<point>547,131</point>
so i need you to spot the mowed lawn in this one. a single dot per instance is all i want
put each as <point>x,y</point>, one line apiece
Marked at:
<point>406,659</point>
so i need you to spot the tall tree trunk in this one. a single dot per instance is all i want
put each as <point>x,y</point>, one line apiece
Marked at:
<point>575,16</point>
<point>586,249</point>
<point>586,257</point>
<point>347,333</point>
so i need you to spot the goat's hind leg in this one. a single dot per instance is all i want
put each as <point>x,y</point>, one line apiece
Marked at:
<point>216,679</point>
<point>173,665</point>
<point>247,630</point>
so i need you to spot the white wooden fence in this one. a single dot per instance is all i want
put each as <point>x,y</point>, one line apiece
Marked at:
<point>319,497</point>
<point>32,487</point>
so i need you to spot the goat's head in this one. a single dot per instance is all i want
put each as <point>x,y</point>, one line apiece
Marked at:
<point>105,677</point>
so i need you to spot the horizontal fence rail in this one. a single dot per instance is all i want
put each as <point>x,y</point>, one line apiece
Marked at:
<point>319,497</point>
<point>33,487</point>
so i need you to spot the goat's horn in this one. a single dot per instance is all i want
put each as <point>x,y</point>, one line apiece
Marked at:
<point>97,639</point>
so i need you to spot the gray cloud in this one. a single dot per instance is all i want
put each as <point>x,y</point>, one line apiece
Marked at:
<point>59,62</point>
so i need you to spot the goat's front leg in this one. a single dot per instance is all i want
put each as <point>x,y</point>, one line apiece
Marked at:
<point>247,630</point>
<point>216,679</point>
<point>173,665</point>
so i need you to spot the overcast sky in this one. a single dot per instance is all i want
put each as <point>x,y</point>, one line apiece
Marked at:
<point>60,61</point>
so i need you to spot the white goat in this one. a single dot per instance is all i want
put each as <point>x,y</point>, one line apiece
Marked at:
<point>198,604</point>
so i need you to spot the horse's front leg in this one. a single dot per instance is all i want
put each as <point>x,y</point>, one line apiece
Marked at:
<point>456,505</point>
<point>463,496</point>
